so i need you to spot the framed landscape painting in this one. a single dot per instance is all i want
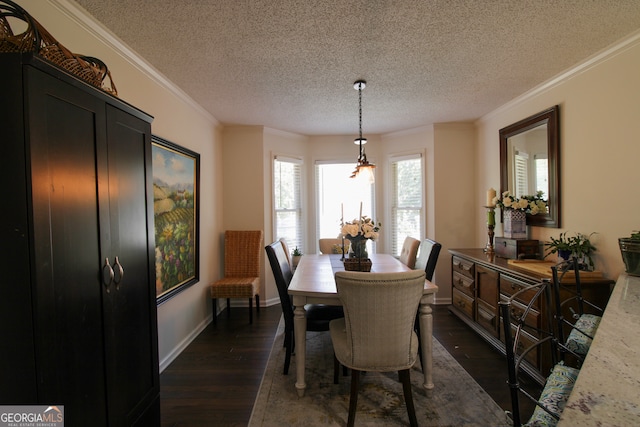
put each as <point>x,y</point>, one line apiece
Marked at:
<point>176,182</point>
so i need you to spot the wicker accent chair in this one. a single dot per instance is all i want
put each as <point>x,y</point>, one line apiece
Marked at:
<point>318,315</point>
<point>577,318</point>
<point>518,324</point>
<point>376,333</point>
<point>241,270</point>
<point>409,251</point>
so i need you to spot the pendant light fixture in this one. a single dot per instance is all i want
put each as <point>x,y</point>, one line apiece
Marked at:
<point>363,167</point>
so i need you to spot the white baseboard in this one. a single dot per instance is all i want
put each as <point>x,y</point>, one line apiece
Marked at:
<point>184,343</point>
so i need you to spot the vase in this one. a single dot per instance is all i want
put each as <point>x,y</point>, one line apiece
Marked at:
<point>358,257</point>
<point>564,254</point>
<point>358,247</point>
<point>514,224</point>
<point>630,250</point>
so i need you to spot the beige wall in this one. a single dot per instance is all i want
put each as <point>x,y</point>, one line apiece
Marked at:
<point>599,148</point>
<point>599,110</point>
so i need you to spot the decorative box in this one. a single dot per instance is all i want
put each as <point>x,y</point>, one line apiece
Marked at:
<point>516,248</point>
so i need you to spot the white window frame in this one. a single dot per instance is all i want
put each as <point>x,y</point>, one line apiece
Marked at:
<point>396,234</point>
<point>295,239</point>
<point>350,202</point>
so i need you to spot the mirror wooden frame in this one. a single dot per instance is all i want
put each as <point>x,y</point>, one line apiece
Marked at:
<point>550,117</point>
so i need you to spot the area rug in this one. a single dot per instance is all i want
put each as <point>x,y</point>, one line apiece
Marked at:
<point>456,400</point>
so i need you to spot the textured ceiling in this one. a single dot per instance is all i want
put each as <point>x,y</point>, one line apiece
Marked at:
<point>290,64</point>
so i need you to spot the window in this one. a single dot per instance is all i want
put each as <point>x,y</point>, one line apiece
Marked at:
<point>287,200</point>
<point>339,195</point>
<point>521,173</point>
<point>406,200</point>
<point>542,174</point>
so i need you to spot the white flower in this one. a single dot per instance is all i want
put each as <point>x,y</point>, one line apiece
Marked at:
<point>530,204</point>
<point>365,227</point>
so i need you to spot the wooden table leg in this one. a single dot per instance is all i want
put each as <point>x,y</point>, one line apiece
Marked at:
<point>300,333</point>
<point>426,339</point>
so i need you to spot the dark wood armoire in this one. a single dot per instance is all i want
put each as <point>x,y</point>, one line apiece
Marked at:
<point>78,318</point>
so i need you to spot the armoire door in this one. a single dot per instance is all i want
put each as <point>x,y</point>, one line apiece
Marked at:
<point>130,302</point>
<point>66,128</point>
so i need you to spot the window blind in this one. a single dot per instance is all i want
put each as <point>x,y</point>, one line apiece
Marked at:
<point>407,200</point>
<point>287,200</point>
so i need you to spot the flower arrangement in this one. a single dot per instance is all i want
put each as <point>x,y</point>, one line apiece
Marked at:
<point>532,205</point>
<point>358,232</point>
<point>365,227</point>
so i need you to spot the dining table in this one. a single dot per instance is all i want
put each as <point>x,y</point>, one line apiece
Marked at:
<point>313,282</point>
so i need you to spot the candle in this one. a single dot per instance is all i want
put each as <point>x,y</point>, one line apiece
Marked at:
<point>491,217</point>
<point>360,219</point>
<point>491,194</point>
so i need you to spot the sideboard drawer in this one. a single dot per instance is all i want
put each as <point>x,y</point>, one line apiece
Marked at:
<point>463,302</point>
<point>509,286</point>
<point>463,266</point>
<point>464,284</point>
<point>517,310</point>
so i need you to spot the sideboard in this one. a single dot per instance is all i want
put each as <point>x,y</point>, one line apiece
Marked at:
<point>479,282</point>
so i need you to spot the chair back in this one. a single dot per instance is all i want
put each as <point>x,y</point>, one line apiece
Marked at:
<point>428,257</point>
<point>409,251</point>
<point>285,247</point>
<point>282,274</point>
<point>379,311</point>
<point>327,245</point>
<point>242,253</point>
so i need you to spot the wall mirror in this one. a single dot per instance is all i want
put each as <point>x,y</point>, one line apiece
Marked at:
<point>530,161</point>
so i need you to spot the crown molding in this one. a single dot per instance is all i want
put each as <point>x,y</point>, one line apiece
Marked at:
<point>593,61</point>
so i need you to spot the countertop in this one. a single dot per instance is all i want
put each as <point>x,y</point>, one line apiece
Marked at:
<point>607,391</point>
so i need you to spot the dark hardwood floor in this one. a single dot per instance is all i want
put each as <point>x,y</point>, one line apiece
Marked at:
<point>214,381</point>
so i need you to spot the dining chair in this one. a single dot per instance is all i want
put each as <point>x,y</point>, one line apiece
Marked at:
<point>577,319</point>
<point>330,246</point>
<point>527,336</point>
<point>241,270</point>
<point>376,333</point>
<point>318,315</point>
<point>428,257</point>
<point>426,260</point>
<point>409,251</point>
<point>285,247</point>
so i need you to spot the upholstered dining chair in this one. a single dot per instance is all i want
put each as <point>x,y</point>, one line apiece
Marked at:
<point>376,333</point>
<point>328,246</point>
<point>285,247</point>
<point>241,270</point>
<point>409,251</point>
<point>318,315</point>
<point>426,260</point>
<point>428,257</point>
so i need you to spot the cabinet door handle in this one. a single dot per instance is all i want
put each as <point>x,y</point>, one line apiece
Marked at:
<point>120,272</point>
<point>107,274</point>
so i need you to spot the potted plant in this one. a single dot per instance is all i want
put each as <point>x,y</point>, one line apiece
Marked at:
<point>295,257</point>
<point>578,246</point>
<point>630,250</point>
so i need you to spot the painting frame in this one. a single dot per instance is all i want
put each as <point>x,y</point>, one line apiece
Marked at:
<point>176,214</point>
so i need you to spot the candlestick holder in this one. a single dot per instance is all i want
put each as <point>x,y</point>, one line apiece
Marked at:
<point>491,224</point>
